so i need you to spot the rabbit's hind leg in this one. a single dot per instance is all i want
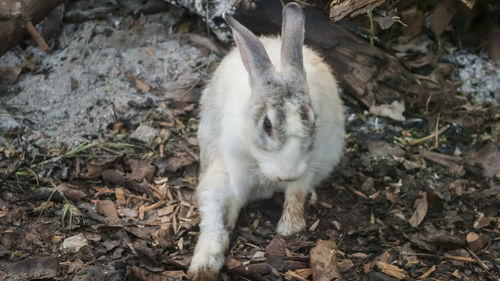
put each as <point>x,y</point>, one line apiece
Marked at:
<point>215,202</point>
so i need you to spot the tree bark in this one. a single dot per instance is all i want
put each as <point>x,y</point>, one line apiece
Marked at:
<point>15,13</point>
<point>367,73</point>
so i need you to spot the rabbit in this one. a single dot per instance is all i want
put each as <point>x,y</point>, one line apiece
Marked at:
<point>271,119</point>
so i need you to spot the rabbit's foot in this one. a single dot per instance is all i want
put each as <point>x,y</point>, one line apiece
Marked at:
<point>203,275</point>
<point>205,266</point>
<point>291,222</point>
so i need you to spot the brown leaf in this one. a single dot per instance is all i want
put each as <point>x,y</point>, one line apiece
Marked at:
<point>34,268</point>
<point>276,247</point>
<point>451,162</point>
<point>120,196</point>
<point>421,207</point>
<point>116,177</point>
<point>324,262</point>
<point>446,240</point>
<point>414,19</point>
<point>494,44</point>
<point>476,241</point>
<point>72,192</point>
<point>345,265</point>
<point>275,252</point>
<point>75,266</point>
<point>141,86</point>
<point>8,75</point>
<point>107,208</point>
<point>483,221</point>
<point>488,160</point>
<point>442,16</point>
<point>352,8</point>
<point>141,170</point>
<point>232,263</point>
<point>175,163</point>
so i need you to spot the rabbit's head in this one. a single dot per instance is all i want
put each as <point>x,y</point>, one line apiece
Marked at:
<point>280,121</point>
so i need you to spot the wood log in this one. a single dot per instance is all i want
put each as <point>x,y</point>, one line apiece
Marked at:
<point>15,13</point>
<point>367,73</point>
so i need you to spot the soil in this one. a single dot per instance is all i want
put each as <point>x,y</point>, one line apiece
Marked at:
<point>112,197</point>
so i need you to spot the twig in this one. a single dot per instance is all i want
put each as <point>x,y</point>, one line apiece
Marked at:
<point>417,141</point>
<point>478,260</point>
<point>436,143</point>
<point>38,38</point>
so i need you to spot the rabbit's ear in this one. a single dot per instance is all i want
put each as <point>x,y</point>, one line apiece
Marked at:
<point>253,53</point>
<point>292,34</point>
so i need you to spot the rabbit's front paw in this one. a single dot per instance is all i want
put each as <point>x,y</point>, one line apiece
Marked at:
<point>203,275</point>
<point>205,267</point>
<point>290,224</point>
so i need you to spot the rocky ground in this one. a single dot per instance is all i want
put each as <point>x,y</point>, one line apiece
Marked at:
<point>99,160</point>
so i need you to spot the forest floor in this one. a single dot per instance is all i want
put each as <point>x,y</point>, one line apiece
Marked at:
<point>105,191</point>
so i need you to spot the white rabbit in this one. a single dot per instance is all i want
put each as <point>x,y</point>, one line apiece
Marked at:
<point>271,120</point>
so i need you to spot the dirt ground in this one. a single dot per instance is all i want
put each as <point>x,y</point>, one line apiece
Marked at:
<point>417,199</point>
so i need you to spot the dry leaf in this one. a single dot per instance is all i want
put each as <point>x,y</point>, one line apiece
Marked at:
<point>394,110</point>
<point>107,208</point>
<point>120,196</point>
<point>476,241</point>
<point>442,15</point>
<point>324,262</point>
<point>421,207</point>
<point>142,87</point>
<point>483,221</point>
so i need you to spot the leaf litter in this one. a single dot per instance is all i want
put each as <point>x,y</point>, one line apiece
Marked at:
<point>391,210</point>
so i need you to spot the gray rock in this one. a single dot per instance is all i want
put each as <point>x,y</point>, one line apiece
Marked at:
<point>145,134</point>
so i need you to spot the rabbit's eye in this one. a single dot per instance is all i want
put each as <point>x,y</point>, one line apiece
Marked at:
<point>268,127</point>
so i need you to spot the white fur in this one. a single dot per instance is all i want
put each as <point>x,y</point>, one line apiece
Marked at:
<point>234,171</point>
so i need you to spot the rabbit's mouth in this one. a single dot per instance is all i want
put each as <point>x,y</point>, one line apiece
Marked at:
<point>288,179</point>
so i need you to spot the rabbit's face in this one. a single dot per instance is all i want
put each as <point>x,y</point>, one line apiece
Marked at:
<point>280,121</point>
<point>283,130</point>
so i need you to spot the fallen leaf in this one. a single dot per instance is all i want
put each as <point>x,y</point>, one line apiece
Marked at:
<point>345,265</point>
<point>483,221</point>
<point>175,163</point>
<point>232,263</point>
<point>118,178</point>
<point>74,243</point>
<point>141,170</point>
<point>120,196</point>
<point>394,110</point>
<point>107,208</point>
<point>34,268</point>
<point>324,262</point>
<point>476,241</point>
<point>72,192</point>
<point>276,252</point>
<point>488,160</point>
<point>451,162</point>
<point>446,240</point>
<point>75,266</point>
<point>421,207</point>
<point>141,86</point>
<point>441,17</point>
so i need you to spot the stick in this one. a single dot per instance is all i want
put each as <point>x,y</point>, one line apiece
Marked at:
<point>429,136</point>
<point>38,38</point>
